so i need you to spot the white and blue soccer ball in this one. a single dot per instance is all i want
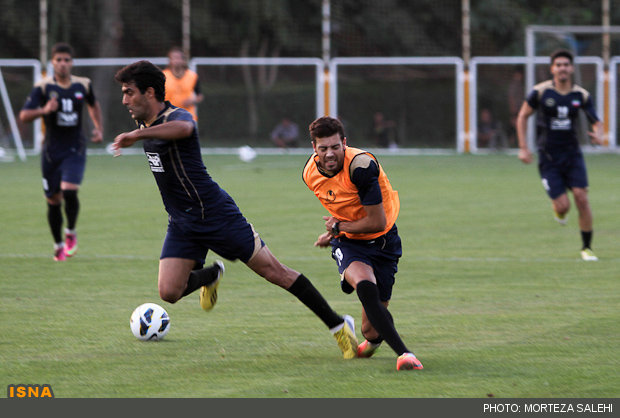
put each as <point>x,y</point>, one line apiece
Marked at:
<point>149,322</point>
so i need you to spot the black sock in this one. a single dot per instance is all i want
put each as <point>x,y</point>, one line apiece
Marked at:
<point>72,207</point>
<point>202,277</point>
<point>54,218</point>
<point>379,339</point>
<point>305,291</point>
<point>379,316</point>
<point>586,238</point>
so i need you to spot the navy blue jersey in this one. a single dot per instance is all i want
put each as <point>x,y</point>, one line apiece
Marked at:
<point>187,190</point>
<point>557,114</point>
<point>63,128</point>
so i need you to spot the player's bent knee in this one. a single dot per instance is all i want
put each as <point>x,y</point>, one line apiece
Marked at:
<point>561,206</point>
<point>168,294</point>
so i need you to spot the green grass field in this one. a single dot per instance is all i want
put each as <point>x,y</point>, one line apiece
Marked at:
<point>491,294</point>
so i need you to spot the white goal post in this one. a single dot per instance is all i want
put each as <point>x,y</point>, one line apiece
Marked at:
<point>10,114</point>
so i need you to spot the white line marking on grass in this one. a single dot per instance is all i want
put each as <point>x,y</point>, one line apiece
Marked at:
<point>414,258</point>
<point>504,259</point>
<point>87,257</point>
<point>472,259</point>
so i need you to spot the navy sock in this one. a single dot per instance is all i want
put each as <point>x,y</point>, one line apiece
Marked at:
<point>379,339</point>
<point>54,218</point>
<point>305,291</point>
<point>586,238</point>
<point>199,278</point>
<point>72,207</point>
<point>379,316</point>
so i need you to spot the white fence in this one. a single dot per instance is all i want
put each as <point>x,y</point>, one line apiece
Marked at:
<point>327,96</point>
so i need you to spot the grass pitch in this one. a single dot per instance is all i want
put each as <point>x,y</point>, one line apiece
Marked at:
<point>491,294</point>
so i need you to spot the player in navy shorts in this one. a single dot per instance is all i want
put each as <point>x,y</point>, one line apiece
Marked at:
<point>202,216</point>
<point>59,100</point>
<point>560,160</point>
<point>382,254</point>
<point>361,230</point>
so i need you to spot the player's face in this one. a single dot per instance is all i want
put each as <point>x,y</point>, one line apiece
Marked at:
<point>136,102</point>
<point>562,69</point>
<point>176,59</point>
<point>62,63</point>
<point>330,151</point>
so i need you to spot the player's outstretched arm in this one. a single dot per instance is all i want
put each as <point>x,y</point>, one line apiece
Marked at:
<point>176,129</point>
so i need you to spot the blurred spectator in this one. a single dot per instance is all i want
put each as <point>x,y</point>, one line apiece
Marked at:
<point>384,132</point>
<point>490,132</point>
<point>182,86</point>
<point>285,134</point>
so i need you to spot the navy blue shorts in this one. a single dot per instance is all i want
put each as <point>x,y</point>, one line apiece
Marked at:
<point>68,167</point>
<point>562,171</point>
<point>233,240</point>
<point>381,254</point>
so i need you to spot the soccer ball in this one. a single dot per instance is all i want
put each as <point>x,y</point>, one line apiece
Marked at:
<point>246,154</point>
<point>149,321</point>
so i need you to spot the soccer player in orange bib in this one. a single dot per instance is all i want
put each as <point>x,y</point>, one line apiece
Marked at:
<point>182,86</point>
<point>361,230</point>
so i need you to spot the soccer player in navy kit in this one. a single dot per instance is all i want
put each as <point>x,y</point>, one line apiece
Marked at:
<point>560,160</point>
<point>202,216</point>
<point>59,100</point>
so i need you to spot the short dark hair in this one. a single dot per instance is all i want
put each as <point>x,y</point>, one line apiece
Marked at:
<point>176,49</point>
<point>144,74</point>
<point>324,127</point>
<point>562,53</point>
<point>62,48</point>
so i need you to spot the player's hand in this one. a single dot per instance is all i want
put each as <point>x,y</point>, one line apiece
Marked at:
<point>50,106</point>
<point>97,136</point>
<point>525,155</point>
<point>595,138</point>
<point>329,223</point>
<point>124,140</point>
<point>323,240</point>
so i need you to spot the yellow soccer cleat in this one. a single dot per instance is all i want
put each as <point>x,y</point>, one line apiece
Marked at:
<point>588,255</point>
<point>208,294</point>
<point>561,219</point>
<point>345,336</point>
